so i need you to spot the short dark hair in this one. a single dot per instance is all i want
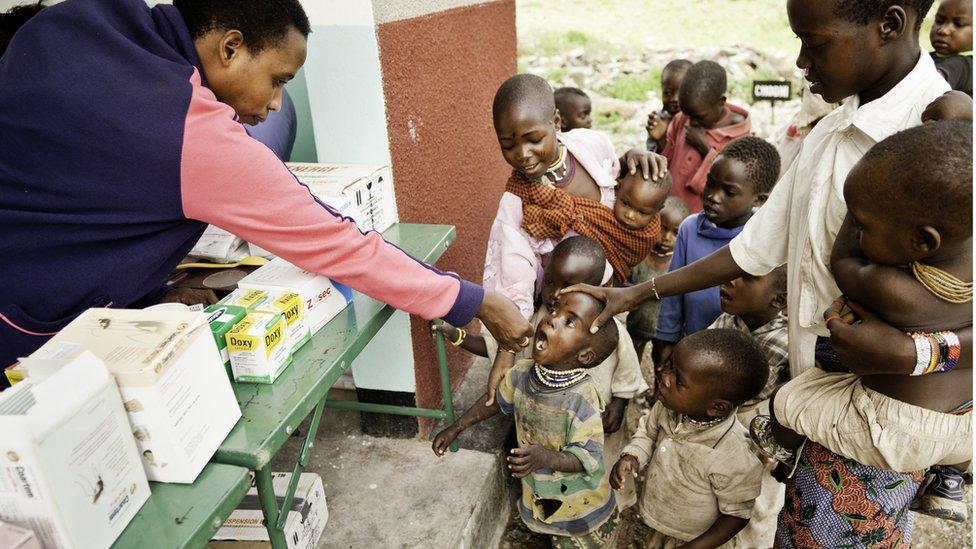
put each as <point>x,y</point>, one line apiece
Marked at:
<point>523,90</point>
<point>676,203</point>
<point>566,91</point>
<point>588,249</point>
<point>676,65</point>
<point>604,342</point>
<point>923,174</point>
<point>13,19</point>
<point>262,22</point>
<point>778,279</point>
<point>861,11</point>
<point>761,160</point>
<point>744,370</point>
<point>705,80</point>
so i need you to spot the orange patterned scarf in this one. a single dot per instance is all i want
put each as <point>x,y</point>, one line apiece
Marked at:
<point>548,212</point>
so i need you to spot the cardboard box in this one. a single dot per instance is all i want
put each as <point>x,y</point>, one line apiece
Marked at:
<point>172,381</point>
<point>291,306</point>
<point>69,469</point>
<point>259,348</point>
<point>219,246</point>
<point>368,187</point>
<point>247,298</point>
<point>221,319</point>
<point>303,527</point>
<point>322,300</point>
<point>15,537</point>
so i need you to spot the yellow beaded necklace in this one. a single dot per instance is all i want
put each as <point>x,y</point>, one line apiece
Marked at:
<point>942,284</point>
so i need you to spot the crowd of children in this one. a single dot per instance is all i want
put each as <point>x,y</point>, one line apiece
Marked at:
<point>807,299</point>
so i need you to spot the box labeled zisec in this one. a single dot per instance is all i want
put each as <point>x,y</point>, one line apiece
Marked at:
<point>291,306</point>
<point>322,300</point>
<point>259,348</point>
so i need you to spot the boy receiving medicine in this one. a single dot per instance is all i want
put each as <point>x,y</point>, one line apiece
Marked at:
<point>565,487</point>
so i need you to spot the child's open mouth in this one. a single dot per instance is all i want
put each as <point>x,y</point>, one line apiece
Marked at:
<point>724,296</point>
<point>541,341</point>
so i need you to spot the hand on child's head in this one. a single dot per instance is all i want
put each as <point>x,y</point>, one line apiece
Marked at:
<point>639,200</point>
<point>952,30</point>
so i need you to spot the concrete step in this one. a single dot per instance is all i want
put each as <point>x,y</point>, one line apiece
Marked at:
<point>384,492</point>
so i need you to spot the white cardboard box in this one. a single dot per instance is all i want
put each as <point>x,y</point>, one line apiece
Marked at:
<point>69,468</point>
<point>15,537</point>
<point>219,245</point>
<point>303,527</point>
<point>368,187</point>
<point>322,300</point>
<point>172,380</point>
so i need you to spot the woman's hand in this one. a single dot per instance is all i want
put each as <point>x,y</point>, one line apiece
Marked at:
<point>865,343</point>
<point>190,296</point>
<point>505,322</point>
<point>615,300</point>
<point>652,166</point>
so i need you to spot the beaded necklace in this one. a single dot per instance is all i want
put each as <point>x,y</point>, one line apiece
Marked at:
<point>942,284</point>
<point>704,424</point>
<point>558,379</point>
<point>562,170</point>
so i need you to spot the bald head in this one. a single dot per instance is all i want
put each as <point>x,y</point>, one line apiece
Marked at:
<point>525,94</point>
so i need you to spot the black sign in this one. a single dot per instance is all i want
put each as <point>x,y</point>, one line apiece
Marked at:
<point>771,90</point>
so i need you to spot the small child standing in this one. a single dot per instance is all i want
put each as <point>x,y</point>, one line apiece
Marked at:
<point>642,321</point>
<point>754,306</point>
<point>565,488</point>
<point>705,125</point>
<point>574,108</point>
<point>739,180</point>
<point>657,121</point>
<point>702,478</point>
<point>952,40</point>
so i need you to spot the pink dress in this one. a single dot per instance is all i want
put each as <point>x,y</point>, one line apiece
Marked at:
<point>515,260</point>
<point>687,167</point>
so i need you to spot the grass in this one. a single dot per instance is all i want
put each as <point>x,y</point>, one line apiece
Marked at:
<point>634,87</point>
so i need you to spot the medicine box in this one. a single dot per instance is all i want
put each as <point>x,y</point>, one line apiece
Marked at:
<point>291,306</point>
<point>221,319</point>
<point>259,348</point>
<point>69,468</point>
<point>304,525</point>
<point>322,300</point>
<point>368,187</point>
<point>172,379</point>
<point>248,298</point>
<point>219,246</point>
<point>14,373</point>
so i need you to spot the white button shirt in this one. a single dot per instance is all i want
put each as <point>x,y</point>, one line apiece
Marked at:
<point>800,221</point>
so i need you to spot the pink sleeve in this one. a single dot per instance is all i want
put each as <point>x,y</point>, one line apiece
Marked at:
<point>236,183</point>
<point>511,263</point>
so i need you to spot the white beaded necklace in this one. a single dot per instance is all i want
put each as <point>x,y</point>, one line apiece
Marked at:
<point>559,379</point>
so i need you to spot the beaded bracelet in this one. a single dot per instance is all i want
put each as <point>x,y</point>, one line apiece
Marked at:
<point>935,352</point>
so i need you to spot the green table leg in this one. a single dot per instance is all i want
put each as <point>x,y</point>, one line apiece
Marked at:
<point>274,518</point>
<point>445,384</point>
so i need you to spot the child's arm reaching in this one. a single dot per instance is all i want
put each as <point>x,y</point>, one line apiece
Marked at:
<point>635,455</point>
<point>477,413</point>
<point>473,344</point>
<point>504,360</point>
<point>720,532</point>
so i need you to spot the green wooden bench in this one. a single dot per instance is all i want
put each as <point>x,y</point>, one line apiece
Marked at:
<point>271,413</point>
<point>186,515</point>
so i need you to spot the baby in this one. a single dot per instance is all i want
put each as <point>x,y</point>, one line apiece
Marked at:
<point>657,121</point>
<point>642,321</point>
<point>702,479</point>
<point>574,108</point>
<point>565,489</point>
<point>903,253</point>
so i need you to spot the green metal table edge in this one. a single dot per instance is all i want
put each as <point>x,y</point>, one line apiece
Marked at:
<point>187,515</point>
<point>315,402</point>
